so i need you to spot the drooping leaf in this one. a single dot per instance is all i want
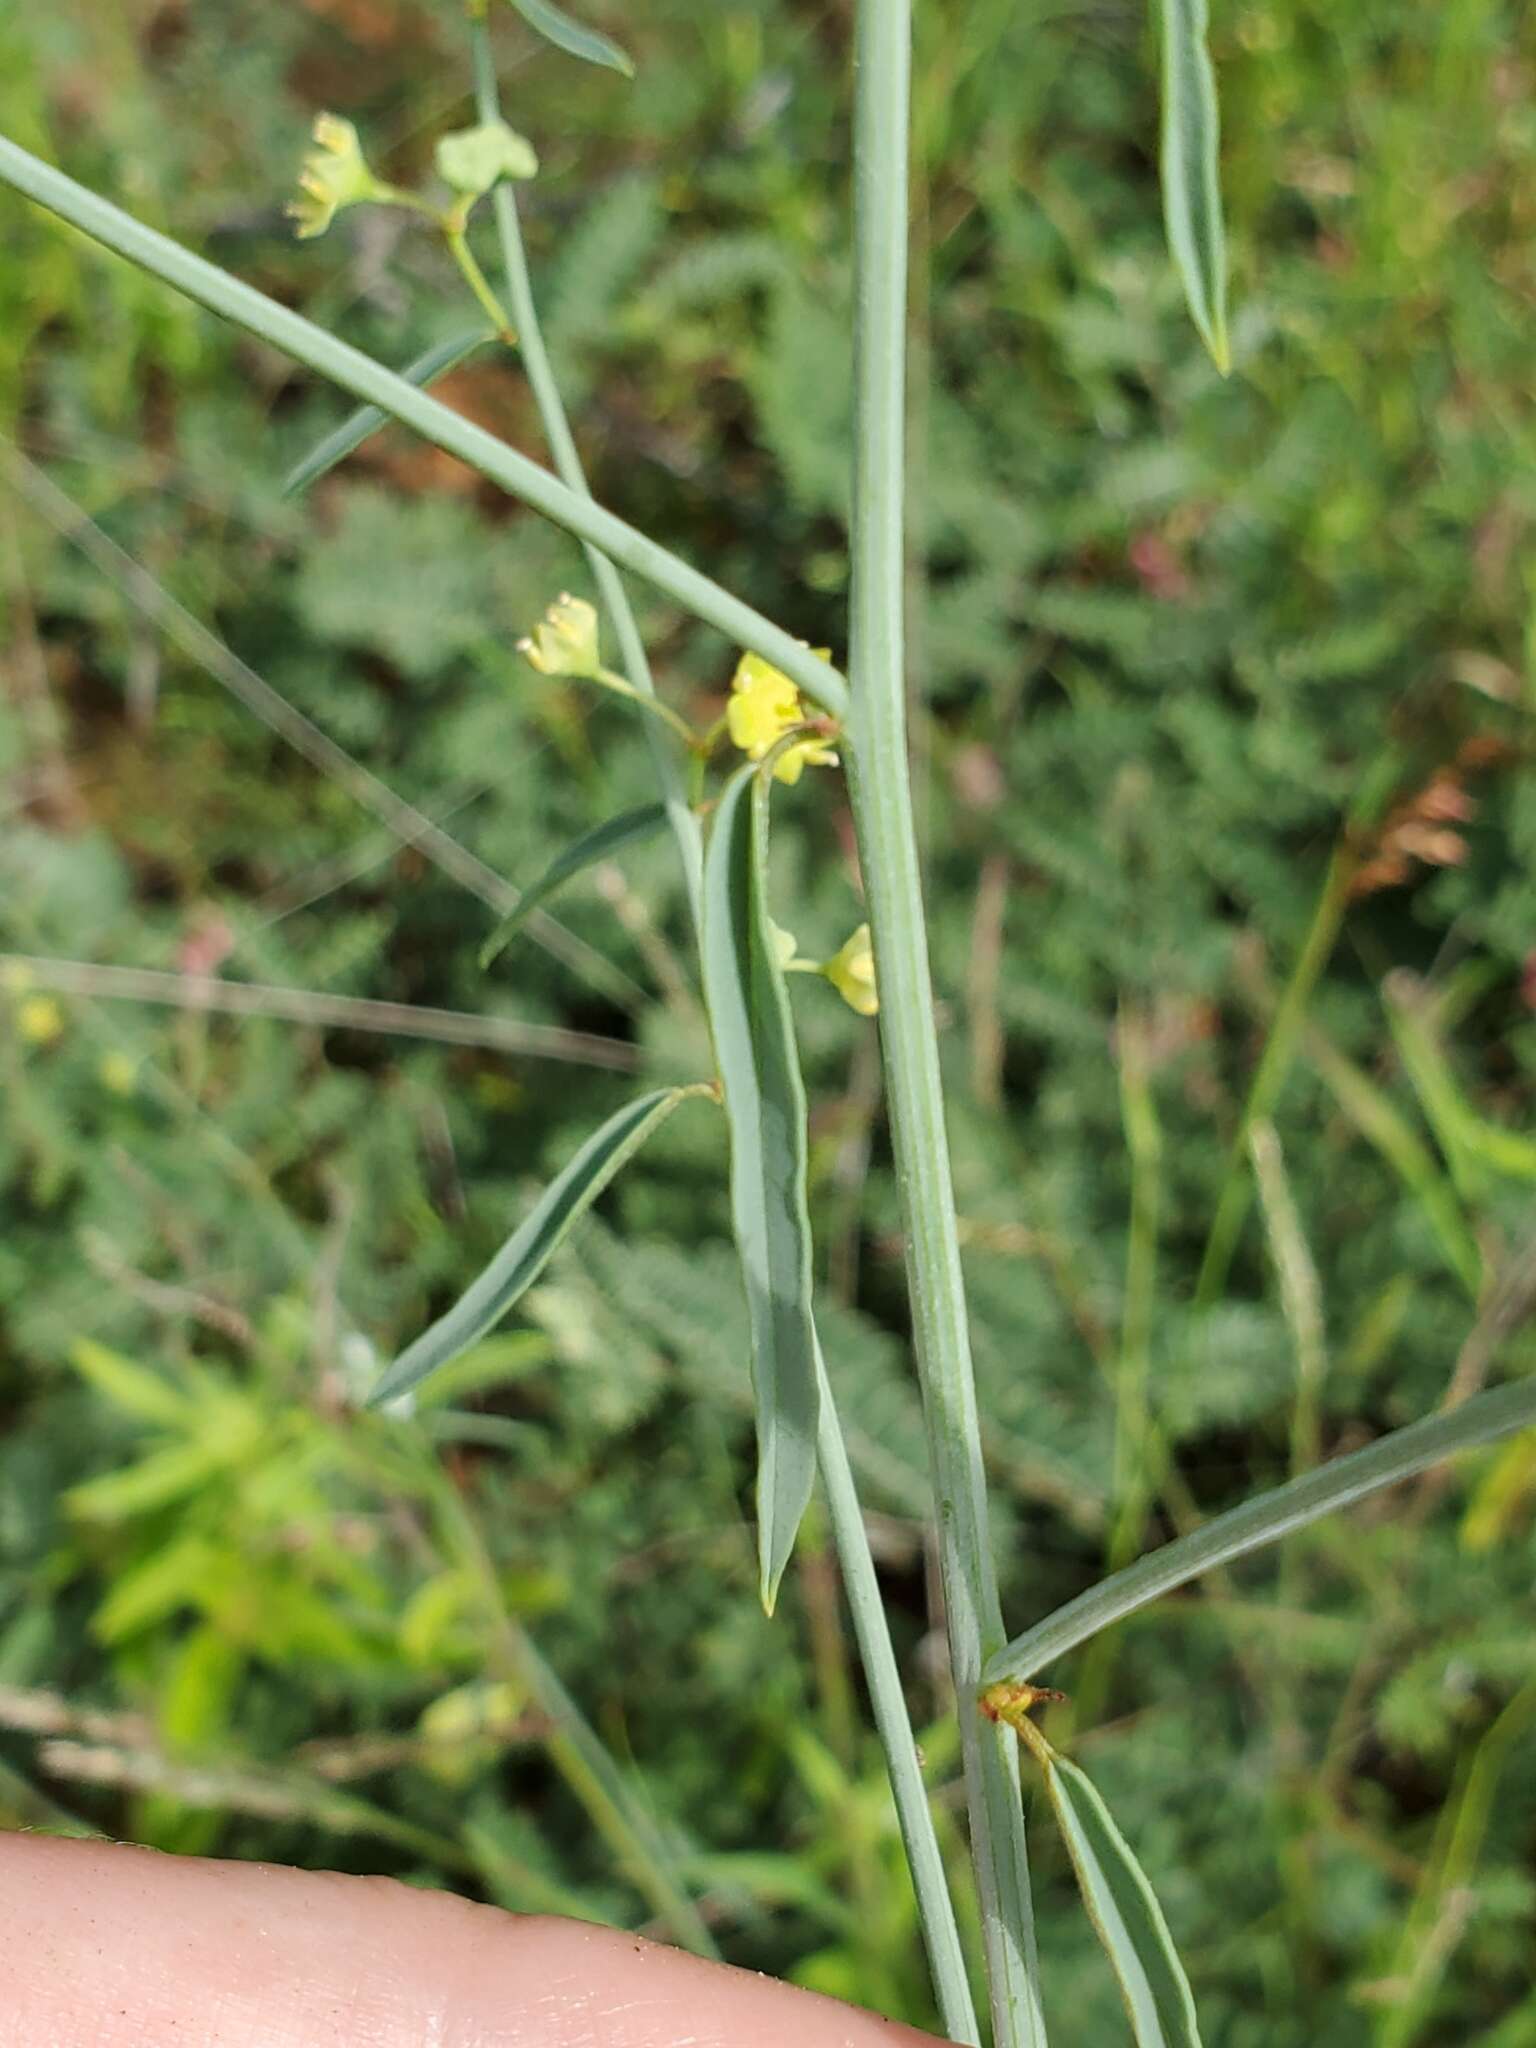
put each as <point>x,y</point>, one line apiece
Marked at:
<point>596,845</point>
<point>765,1107</point>
<point>528,1250</point>
<point>557,27</point>
<point>1124,1910</point>
<point>1190,171</point>
<point>355,429</point>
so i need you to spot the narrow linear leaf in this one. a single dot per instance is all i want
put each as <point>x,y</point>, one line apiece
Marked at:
<point>557,27</point>
<point>528,1250</point>
<point>596,845</point>
<point>358,426</point>
<point>1483,1419</point>
<point>1191,178</point>
<point>1124,1910</point>
<point>765,1107</point>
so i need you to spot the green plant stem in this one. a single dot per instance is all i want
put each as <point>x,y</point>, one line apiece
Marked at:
<point>880,784</point>
<point>946,1957</point>
<point>1285,1032</point>
<point>568,466</point>
<point>479,284</point>
<point>654,706</point>
<point>247,308</point>
<point>935,1905</point>
<point>573,1748</point>
<point>1135,1460</point>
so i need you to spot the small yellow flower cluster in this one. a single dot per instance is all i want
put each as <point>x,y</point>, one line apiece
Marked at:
<point>764,706</point>
<point>335,174</point>
<point>565,643</point>
<point>851,971</point>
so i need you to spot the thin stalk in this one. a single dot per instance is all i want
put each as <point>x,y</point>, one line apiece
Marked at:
<point>670,773</point>
<point>1280,1048</point>
<point>352,371</point>
<point>946,1957</point>
<point>479,284</point>
<point>201,645</point>
<point>1138,1448</point>
<point>880,785</point>
<point>322,1011</point>
<point>936,1910</point>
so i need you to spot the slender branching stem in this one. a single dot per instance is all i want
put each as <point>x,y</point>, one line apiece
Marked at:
<point>348,368</point>
<point>935,1906</point>
<point>670,773</point>
<point>883,815</point>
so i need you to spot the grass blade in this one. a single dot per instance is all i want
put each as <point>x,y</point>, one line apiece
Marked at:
<point>528,1250</point>
<point>1123,1908</point>
<point>247,308</point>
<point>765,1106</point>
<point>1483,1419</point>
<point>557,27</point>
<point>1191,181</point>
<point>356,428</point>
<point>592,846</point>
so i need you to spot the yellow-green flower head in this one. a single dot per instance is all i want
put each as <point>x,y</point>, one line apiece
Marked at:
<point>475,159</point>
<point>335,174</point>
<point>565,643</point>
<point>851,971</point>
<point>764,706</point>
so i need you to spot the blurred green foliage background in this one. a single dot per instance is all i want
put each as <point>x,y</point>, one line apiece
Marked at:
<point>1171,630</point>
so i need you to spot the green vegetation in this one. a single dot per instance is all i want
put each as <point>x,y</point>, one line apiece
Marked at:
<point>1224,800</point>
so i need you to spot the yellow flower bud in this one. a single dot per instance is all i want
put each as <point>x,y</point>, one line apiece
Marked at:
<point>851,971</point>
<point>566,642</point>
<point>764,706</point>
<point>334,175</point>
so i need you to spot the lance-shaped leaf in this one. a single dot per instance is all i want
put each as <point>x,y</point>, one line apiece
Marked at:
<point>1483,1419</point>
<point>356,427</point>
<point>1124,1910</point>
<point>1191,177</point>
<point>765,1107</point>
<point>530,1247</point>
<point>557,27</point>
<point>592,846</point>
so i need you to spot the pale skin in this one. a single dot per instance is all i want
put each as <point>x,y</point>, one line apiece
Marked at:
<point>103,1946</point>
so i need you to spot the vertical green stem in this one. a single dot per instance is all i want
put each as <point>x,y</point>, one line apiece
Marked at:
<point>935,1907</point>
<point>882,804</point>
<point>1279,1053</point>
<point>946,1958</point>
<point>562,447</point>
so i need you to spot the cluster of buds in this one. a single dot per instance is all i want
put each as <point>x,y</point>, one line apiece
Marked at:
<point>336,174</point>
<point>764,714</point>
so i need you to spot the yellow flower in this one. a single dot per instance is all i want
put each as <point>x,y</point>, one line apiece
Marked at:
<point>335,174</point>
<point>565,644</point>
<point>764,706</point>
<point>851,972</point>
<point>39,1020</point>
